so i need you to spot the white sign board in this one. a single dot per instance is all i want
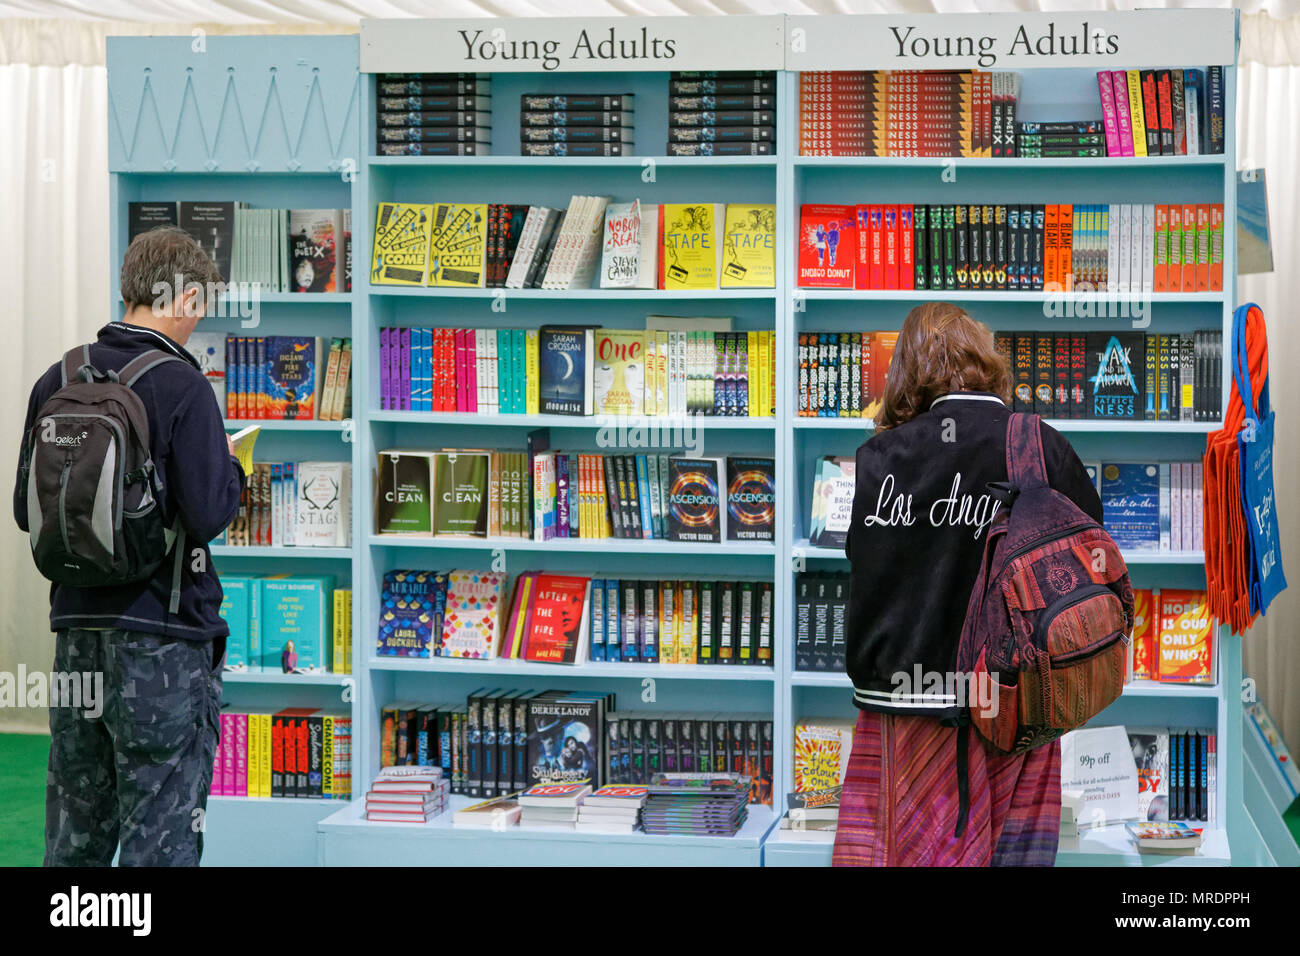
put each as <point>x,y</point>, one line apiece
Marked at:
<point>573,44</point>
<point>1137,39</point>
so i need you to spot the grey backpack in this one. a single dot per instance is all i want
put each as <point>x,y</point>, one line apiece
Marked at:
<point>90,483</point>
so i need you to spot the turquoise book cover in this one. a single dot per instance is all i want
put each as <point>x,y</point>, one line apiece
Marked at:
<point>295,623</point>
<point>236,611</point>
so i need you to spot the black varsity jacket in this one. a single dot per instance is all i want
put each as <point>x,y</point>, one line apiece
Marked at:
<point>920,509</point>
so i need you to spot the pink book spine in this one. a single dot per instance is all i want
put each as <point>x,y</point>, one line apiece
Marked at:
<point>462,376</point>
<point>1108,118</point>
<point>241,755</point>
<point>471,372</point>
<point>404,392</point>
<point>1124,126</point>
<point>216,789</point>
<point>227,756</point>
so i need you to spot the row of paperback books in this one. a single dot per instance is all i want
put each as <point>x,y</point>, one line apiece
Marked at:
<point>722,114</point>
<point>1120,375</point>
<point>433,114</point>
<point>1151,506</point>
<point>1173,637</point>
<point>277,250</point>
<point>577,124</point>
<point>277,377</point>
<point>968,113</point>
<point>1171,112</point>
<point>303,504</point>
<point>291,625</point>
<point>821,607</point>
<point>299,752</point>
<point>543,494</point>
<point>577,371</point>
<point>594,243</point>
<point>1116,247</point>
<point>842,374</point>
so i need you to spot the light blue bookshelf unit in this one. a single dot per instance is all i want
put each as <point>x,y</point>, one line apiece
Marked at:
<point>290,122</point>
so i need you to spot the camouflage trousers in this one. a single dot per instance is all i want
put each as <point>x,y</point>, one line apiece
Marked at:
<point>138,772</point>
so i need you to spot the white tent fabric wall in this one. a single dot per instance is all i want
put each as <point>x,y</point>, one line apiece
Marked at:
<point>54,235</point>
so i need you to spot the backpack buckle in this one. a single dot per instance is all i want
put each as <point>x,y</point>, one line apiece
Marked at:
<point>1004,491</point>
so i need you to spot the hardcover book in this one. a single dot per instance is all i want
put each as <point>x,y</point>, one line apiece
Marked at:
<point>619,373</point>
<point>410,613</point>
<point>315,247</point>
<point>620,261</point>
<point>460,499</point>
<point>558,619</point>
<point>691,253</point>
<point>404,493</point>
<point>322,516</point>
<point>695,492</point>
<point>564,739</point>
<point>209,350</point>
<point>751,499</point>
<point>1130,498</point>
<point>471,624</point>
<point>458,245</point>
<point>1116,375</point>
<point>827,247</point>
<point>401,244</point>
<point>566,369</point>
<point>212,226</point>
<point>749,247</point>
<point>292,376</point>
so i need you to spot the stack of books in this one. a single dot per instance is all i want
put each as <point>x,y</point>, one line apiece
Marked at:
<point>700,804</point>
<point>434,114</point>
<point>1172,839</point>
<point>721,113</point>
<point>576,124</point>
<point>613,809</point>
<point>552,806</point>
<point>497,813</point>
<point>407,795</point>
<point>811,816</point>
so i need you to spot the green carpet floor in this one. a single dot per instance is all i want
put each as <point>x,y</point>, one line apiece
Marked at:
<point>22,798</point>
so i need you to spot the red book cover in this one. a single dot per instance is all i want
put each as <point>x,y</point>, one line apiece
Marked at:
<point>1151,113</point>
<point>862,259</point>
<point>1078,375</point>
<point>891,246</point>
<point>826,247</point>
<point>1065,244</point>
<point>277,756</point>
<point>1051,249</point>
<point>471,371</point>
<point>1189,249</point>
<point>877,240</point>
<point>448,347</point>
<point>906,249</point>
<point>1061,373</point>
<point>461,374</point>
<point>1165,106</point>
<point>558,610</point>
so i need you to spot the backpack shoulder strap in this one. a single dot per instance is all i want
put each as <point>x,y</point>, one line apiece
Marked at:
<point>74,360</point>
<point>132,370</point>
<point>1025,467</point>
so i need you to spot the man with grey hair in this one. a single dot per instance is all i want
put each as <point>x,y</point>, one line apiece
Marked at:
<point>137,776</point>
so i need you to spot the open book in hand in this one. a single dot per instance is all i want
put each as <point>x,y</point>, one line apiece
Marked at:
<point>242,442</point>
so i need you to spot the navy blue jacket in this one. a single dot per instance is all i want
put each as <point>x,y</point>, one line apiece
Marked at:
<point>201,484</point>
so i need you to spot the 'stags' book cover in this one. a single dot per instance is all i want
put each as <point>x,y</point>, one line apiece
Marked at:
<point>619,373</point>
<point>827,247</point>
<point>751,499</point>
<point>408,613</point>
<point>695,489</point>
<point>460,493</point>
<point>749,247</point>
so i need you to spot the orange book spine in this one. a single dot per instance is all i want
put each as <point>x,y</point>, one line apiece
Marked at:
<point>1188,283</point>
<point>1065,255</point>
<point>1051,260</point>
<point>1216,247</point>
<point>1203,248</point>
<point>1161,274</point>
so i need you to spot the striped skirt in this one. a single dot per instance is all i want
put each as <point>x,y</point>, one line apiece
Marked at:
<point>899,803</point>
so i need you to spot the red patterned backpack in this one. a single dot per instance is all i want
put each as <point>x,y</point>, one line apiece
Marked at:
<point>1046,637</point>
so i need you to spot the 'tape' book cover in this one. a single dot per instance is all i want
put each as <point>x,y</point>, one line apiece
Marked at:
<point>695,493</point>
<point>751,499</point>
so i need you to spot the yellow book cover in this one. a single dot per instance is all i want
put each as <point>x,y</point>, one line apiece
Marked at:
<point>532,372</point>
<point>347,633</point>
<point>765,375</point>
<point>821,752</point>
<point>458,244</point>
<point>619,372</point>
<point>687,623</point>
<point>401,244</point>
<point>661,372</point>
<point>523,596</point>
<point>668,614</point>
<point>336,646</point>
<point>771,374</point>
<point>1135,111</point>
<point>328,787</point>
<point>690,247</point>
<point>753,360</point>
<point>650,388</point>
<point>749,247</point>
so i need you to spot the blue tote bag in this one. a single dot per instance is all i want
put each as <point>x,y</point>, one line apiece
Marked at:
<point>1255,445</point>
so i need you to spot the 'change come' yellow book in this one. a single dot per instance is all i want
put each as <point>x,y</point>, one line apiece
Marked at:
<point>458,244</point>
<point>401,246</point>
